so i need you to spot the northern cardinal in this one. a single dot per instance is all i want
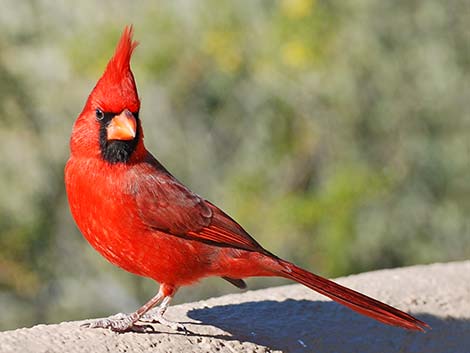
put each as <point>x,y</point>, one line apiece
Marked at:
<point>142,219</point>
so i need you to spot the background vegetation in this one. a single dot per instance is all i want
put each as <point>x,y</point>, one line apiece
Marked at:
<point>336,132</point>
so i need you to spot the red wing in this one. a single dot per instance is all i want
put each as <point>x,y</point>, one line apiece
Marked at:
<point>167,205</point>
<point>224,231</point>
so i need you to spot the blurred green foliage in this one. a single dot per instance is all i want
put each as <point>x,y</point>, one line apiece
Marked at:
<point>336,132</point>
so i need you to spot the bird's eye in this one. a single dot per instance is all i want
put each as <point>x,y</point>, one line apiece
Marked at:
<point>99,114</point>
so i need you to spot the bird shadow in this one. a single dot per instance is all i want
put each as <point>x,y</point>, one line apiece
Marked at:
<point>320,326</point>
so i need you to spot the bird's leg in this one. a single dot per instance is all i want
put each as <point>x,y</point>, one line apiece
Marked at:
<point>157,316</point>
<point>126,322</point>
<point>158,312</point>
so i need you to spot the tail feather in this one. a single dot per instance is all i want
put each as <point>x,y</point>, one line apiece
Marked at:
<point>352,299</point>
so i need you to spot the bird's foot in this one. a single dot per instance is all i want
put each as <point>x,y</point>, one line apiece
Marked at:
<point>158,318</point>
<point>118,323</point>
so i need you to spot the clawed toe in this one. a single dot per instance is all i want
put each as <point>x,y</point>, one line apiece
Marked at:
<point>175,326</point>
<point>159,319</point>
<point>118,316</point>
<point>127,322</point>
<point>116,323</point>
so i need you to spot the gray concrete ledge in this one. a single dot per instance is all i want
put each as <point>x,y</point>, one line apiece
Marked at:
<point>289,319</point>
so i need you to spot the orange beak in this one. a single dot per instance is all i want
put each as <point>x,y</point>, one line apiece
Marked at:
<point>122,126</point>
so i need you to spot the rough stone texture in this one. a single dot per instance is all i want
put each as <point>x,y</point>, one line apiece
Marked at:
<point>289,319</point>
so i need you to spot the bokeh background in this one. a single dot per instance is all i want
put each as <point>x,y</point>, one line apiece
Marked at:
<point>337,132</point>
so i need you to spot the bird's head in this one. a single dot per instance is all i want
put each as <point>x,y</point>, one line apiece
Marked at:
<point>109,125</point>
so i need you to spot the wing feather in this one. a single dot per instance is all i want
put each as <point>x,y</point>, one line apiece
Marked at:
<point>167,205</point>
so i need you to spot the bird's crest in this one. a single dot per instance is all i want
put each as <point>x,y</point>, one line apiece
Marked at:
<point>119,65</point>
<point>116,89</point>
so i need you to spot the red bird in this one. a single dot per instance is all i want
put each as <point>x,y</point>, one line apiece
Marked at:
<point>142,219</point>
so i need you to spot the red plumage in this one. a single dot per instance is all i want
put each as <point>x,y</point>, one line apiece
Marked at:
<point>140,218</point>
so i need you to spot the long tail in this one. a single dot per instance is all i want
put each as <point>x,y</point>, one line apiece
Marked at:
<point>352,299</point>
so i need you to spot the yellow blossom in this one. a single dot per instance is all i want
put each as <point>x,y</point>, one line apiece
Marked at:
<point>295,54</point>
<point>222,46</point>
<point>296,9</point>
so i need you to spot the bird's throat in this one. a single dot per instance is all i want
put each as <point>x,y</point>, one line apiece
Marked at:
<point>117,151</point>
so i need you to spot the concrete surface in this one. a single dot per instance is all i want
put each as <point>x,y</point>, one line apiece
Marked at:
<point>289,319</point>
